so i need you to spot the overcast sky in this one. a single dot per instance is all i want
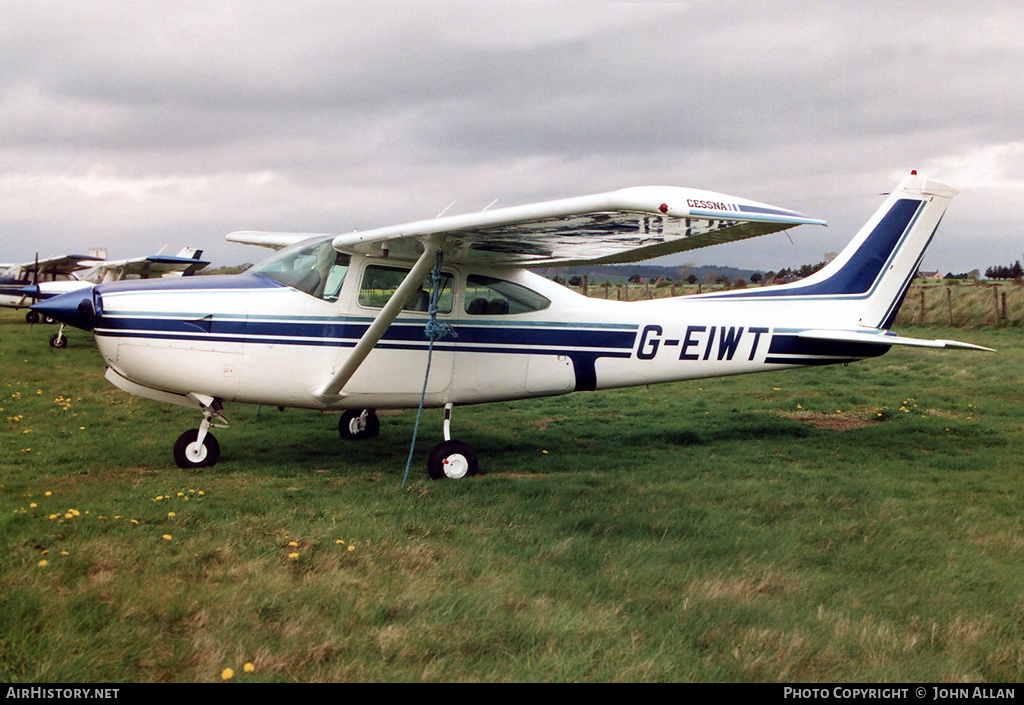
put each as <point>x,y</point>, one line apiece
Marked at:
<point>134,126</point>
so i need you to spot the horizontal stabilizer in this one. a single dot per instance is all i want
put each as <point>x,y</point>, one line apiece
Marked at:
<point>885,338</point>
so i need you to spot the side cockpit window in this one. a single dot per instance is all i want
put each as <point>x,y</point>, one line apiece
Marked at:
<point>313,268</point>
<point>487,296</point>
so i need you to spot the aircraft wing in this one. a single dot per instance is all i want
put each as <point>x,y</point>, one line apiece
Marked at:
<point>627,225</point>
<point>268,239</point>
<point>885,338</point>
<point>64,264</point>
<point>149,267</point>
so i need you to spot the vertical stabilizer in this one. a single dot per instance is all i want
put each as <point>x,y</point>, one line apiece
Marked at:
<point>865,285</point>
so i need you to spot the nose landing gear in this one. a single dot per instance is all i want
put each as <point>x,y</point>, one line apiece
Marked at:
<point>197,448</point>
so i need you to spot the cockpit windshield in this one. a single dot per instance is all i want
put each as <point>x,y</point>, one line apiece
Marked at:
<point>313,267</point>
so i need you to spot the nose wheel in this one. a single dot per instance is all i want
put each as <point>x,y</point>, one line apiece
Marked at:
<point>59,340</point>
<point>197,448</point>
<point>190,452</point>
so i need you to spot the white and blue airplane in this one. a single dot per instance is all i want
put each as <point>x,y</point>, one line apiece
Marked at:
<point>186,263</point>
<point>444,312</point>
<point>14,278</point>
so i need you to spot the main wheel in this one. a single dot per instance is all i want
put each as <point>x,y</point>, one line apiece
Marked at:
<point>190,454</point>
<point>58,341</point>
<point>31,317</point>
<point>452,460</point>
<point>353,427</point>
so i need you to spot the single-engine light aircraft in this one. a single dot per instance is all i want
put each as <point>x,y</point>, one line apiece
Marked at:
<point>354,322</point>
<point>14,278</point>
<point>186,263</point>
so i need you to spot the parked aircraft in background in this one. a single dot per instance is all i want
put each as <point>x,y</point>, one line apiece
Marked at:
<point>15,277</point>
<point>354,322</point>
<point>186,263</point>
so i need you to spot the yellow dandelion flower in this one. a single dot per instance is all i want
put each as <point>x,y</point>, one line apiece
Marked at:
<point>69,515</point>
<point>227,674</point>
<point>293,543</point>
<point>248,668</point>
<point>64,553</point>
<point>171,514</point>
<point>351,548</point>
<point>43,564</point>
<point>47,493</point>
<point>293,556</point>
<point>167,537</point>
<point>340,542</point>
<point>32,505</point>
<point>46,552</point>
<point>135,521</point>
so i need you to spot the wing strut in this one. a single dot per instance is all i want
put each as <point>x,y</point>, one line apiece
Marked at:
<point>331,392</point>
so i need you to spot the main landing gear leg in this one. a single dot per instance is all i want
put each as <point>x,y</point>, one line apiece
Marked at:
<point>198,448</point>
<point>450,459</point>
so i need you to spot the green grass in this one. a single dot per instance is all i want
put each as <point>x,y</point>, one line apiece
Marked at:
<point>845,524</point>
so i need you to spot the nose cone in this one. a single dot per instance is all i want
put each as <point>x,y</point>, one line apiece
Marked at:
<point>80,309</point>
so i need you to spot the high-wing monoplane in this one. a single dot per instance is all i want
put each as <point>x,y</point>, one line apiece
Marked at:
<point>444,312</point>
<point>15,277</point>
<point>186,263</point>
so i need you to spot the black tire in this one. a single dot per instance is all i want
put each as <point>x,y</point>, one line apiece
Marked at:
<point>209,455</point>
<point>349,427</point>
<point>452,460</point>
<point>58,341</point>
<point>31,317</point>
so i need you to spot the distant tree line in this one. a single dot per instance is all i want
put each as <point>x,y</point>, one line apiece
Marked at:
<point>1014,271</point>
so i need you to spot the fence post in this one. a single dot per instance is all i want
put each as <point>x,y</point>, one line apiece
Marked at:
<point>949,306</point>
<point>995,302</point>
<point>584,284</point>
<point>921,320</point>
<point>1003,295</point>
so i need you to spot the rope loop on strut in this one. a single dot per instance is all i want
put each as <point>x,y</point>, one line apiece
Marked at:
<point>434,331</point>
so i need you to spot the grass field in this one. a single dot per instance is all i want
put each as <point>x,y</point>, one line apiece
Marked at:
<point>858,523</point>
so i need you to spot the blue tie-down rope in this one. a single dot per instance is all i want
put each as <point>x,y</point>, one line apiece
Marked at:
<point>434,331</point>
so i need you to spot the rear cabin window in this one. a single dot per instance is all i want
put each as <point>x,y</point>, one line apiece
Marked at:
<point>379,285</point>
<point>487,296</point>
